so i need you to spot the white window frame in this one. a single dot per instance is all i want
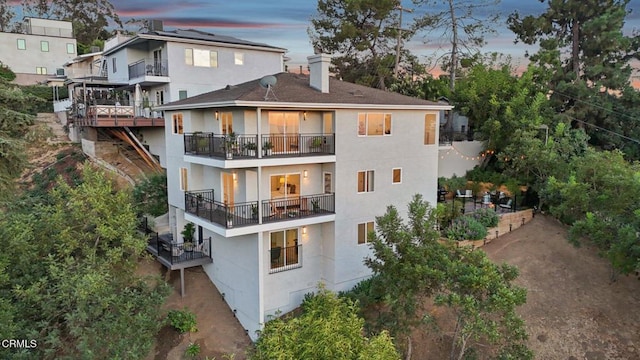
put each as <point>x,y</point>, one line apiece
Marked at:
<point>41,70</point>
<point>393,180</point>
<point>363,124</point>
<point>22,42</point>
<point>286,266</point>
<point>183,174</point>
<point>430,127</point>
<point>369,181</point>
<point>201,57</point>
<point>367,226</point>
<point>238,58</point>
<point>177,124</point>
<point>44,46</point>
<point>71,49</point>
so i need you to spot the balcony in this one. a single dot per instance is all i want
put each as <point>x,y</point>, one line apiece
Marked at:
<point>245,146</point>
<point>203,205</point>
<point>110,113</point>
<point>148,67</point>
<point>176,255</point>
<point>447,137</point>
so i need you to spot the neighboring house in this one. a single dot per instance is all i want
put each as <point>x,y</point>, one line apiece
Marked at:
<point>139,73</point>
<point>38,54</point>
<point>283,178</point>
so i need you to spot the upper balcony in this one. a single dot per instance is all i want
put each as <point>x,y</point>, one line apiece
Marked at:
<point>149,71</point>
<point>448,137</point>
<point>245,146</point>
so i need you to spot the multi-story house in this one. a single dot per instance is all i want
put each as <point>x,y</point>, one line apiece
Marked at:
<point>38,53</point>
<point>155,67</point>
<point>283,177</point>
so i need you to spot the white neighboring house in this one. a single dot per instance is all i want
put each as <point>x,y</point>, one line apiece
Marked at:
<point>38,53</point>
<point>273,221</point>
<point>166,66</point>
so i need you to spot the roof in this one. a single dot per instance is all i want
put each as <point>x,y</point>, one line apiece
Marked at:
<point>292,89</point>
<point>194,35</point>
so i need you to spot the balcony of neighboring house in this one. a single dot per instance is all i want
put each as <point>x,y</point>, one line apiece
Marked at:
<point>115,113</point>
<point>203,205</point>
<point>149,71</point>
<point>246,146</point>
<point>175,255</point>
<point>446,137</point>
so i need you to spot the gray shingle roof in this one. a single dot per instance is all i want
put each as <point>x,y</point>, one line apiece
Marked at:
<point>295,88</point>
<point>205,36</point>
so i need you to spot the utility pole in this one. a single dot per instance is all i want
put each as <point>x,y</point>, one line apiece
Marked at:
<point>401,9</point>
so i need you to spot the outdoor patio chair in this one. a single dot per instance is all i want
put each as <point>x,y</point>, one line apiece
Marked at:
<point>506,205</point>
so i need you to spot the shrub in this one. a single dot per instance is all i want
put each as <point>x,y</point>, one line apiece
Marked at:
<point>182,320</point>
<point>487,217</point>
<point>151,195</point>
<point>192,350</point>
<point>466,228</point>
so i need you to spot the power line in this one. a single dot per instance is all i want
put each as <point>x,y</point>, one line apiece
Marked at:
<point>606,130</point>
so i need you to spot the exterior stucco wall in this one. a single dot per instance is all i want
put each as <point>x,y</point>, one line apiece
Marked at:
<point>26,61</point>
<point>456,159</point>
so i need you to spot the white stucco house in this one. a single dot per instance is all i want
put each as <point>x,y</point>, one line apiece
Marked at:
<point>283,177</point>
<point>38,53</point>
<point>163,66</point>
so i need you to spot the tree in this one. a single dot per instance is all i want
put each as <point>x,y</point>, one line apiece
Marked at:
<point>69,274</point>
<point>410,264</point>
<point>6,16</point>
<point>462,28</point>
<point>328,328</point>
<point>90,18</point>
<point>584,84</point>
<point>150,195</point>
<point>362,36</point>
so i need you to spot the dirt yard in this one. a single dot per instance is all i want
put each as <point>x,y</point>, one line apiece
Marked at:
<point>573,312</point>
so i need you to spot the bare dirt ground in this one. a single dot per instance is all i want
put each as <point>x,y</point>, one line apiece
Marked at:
<point>573,311</point>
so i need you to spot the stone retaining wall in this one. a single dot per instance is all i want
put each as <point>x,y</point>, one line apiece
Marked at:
<point>508,222</point>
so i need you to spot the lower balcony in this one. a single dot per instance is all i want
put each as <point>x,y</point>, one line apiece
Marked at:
<point>243,146</point>
<point>179,255</point>
<point>203,205</point>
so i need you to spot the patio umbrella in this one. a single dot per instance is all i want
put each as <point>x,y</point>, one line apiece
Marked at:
<point>137,100</point>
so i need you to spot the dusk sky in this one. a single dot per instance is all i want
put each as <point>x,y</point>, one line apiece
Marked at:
<point>284,23</point>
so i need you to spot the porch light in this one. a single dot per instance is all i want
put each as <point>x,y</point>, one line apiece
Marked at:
<point>304,115</point>
<point>235,176</point>
<point>304,230</point>
<point>305,173</point>
<point>217,116</point>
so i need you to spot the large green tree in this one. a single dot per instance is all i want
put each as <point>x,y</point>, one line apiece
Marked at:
<point>90,18</point>
<point>328,328</point>
<point>6,15</point>
<point>68,271</point>
<point>362,37</point>
<point>584,57</point>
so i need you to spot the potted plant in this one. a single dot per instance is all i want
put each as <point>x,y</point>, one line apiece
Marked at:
<point>250,148</point>
<point>230,145</point>
<point>267,146</point>
<point>254,212</point>
<point>316,144</point>
<point>315,205</point>
<point>187,234</point>
<point>229,219</point>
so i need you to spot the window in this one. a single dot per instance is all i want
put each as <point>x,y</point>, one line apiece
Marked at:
<point>41,70</point>
<point>397,176</point>
<point>365,181</point>
<point>374,124</point>
<point>182,94</point>
<point>177,124</point>
<point>183,179</point>
<point>226,122</point>
<point>113,64</point>
<point>430,129</point>
<point>199,57</point>
<point>22,44</point>
<point>238,58</point>
<point>363,232</point>
<point>71,49</point>
<point>285,252</point>
<point>44,46</point>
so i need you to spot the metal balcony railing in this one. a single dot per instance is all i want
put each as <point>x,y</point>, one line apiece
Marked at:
<point>148,67</point>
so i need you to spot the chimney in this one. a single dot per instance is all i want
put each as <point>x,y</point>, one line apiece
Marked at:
<point>319,72</point>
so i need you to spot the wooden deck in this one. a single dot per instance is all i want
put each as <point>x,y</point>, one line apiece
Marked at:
<point>117,115</point>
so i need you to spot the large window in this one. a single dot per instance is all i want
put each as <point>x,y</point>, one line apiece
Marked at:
<point>22,44</point>
<point>284,250</point>
<point>363,232</point>
<point>374,124</point>
<point>365,181</point>
<point>177,124</point>
<point>44,46</point>
<point>226,122</point>
<point>284,128</point>
<point>41,70</point>
<point>430,129</point>
<point>202,58</point>
<point>182,94</point>
<point>183,179</point>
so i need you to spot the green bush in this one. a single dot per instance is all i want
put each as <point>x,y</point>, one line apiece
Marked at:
<point>182,320</point>
<point>487,217</point>
<point>466,228</point>
<point>6,73</point>
<point>150,195</point>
